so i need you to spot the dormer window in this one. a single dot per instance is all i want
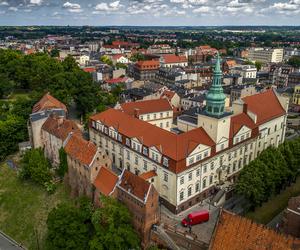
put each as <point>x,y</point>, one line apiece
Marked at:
<point>166,162</point>
<point>128,142</point>
<point>145,151</point>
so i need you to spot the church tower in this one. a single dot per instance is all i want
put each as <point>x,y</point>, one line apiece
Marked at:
<point>214,119</point>
<point>215,98</point>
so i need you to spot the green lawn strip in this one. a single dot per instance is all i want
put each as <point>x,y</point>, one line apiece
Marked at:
<point>275,205</point>
<point>24,208</point>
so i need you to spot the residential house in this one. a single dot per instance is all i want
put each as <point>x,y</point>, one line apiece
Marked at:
<point>296,95</point>
<point>46,106</point>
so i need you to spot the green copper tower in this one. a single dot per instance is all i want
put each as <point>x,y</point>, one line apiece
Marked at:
<point>215,98</point>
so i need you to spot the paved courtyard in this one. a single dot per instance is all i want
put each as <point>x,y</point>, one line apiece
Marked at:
<point>203,231</point>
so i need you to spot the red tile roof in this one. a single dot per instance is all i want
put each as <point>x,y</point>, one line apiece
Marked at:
<point>169,94</point>
<point>89,69</point>
<point>148,175</point>
<point>265,105</point>
<point>60,127</point>
<point>149,64</point>
<point>171,58</point>
<point>116,80</point>
<point>81,149</point>
<point>118,56</point>
<point>145,107</point>
<point>234,232</point>
<point>134,185</point>
<point>105,181</point>
<point>238,121</point>
<point>48,102</point>
<point>176,147</point>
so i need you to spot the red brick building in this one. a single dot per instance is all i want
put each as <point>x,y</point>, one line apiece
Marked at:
<point>84,162</point>
<point>137,194</point>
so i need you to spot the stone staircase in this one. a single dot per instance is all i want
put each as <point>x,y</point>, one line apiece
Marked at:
<point>171,244</point>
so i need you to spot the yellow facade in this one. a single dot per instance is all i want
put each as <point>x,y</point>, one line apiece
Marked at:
<point>296,96</point>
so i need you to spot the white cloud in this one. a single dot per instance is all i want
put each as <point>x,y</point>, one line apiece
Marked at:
<point>36,2</point>
<point>285,6</point>
<point>202,9</point>
<point>114,6</point>
<point>13,9</point>
<point>4,3</point>
<point>72,7</point>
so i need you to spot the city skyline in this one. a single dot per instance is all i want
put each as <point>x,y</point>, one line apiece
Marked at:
<point>150,12</point>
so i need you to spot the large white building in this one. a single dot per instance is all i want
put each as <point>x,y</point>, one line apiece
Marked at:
<point>190,165</point>
<point>266,55</point>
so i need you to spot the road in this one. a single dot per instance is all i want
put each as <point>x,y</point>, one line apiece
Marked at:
<point>8,244</point>
<point>203,231</point>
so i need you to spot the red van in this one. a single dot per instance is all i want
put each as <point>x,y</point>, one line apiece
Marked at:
<point>195,218</point>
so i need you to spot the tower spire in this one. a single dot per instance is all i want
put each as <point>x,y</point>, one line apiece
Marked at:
<point>215,98</point>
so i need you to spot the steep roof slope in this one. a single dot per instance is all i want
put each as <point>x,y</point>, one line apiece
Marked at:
<point>234,232</point>
<point>147,106</point>
<point>48,102</point>
<point>265,105</point>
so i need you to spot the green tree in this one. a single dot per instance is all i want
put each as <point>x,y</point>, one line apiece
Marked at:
<point>113,230</point>
<point>67,228</point>
<point>63,163</point>
<point>294,61</point>
<point>258,65</point>
<point>106,60</point>
<point>36,167</point>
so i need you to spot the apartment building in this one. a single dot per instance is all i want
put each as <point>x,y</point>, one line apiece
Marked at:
<point>158,112</point>
<point>246,71</point>
<point>296,95</point>
<point>172,60</point>
<point>189,166</point>
<point>265,55</point>
<point>145,70</point>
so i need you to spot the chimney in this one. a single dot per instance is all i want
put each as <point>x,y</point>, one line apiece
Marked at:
<point>136,113</point>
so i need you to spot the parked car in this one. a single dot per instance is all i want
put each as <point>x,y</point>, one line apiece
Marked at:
<point>196,217</point>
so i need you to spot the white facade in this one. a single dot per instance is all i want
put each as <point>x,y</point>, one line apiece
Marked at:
<point>266,55</point>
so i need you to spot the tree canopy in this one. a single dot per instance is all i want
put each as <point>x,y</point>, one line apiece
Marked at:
<point>272,170</point>
<point>83,226</point>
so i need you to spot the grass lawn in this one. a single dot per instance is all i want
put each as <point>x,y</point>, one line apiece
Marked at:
<point>24,207</point>
<point>275,205</point>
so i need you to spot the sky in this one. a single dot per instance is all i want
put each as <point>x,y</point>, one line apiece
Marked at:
<point>150,12</point>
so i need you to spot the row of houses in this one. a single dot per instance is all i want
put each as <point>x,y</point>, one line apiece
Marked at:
<point>89,167</point>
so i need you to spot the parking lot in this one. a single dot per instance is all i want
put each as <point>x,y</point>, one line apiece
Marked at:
<point>203,231</point>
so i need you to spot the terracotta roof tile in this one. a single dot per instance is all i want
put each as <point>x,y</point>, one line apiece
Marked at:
<point>149,64</point>
<point>169,94</point>
<point>48,102</point>
<point>174,146</point>
<point>145,107</point>
<point>81,149</point>
<point>60,127</point>
<point>134,184</point>
<point>105,181</point>
<point>148,175</point>
<point>238,121</point>
<point>172,58</point>
<point>234,232</point>
<point>265,105</point>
